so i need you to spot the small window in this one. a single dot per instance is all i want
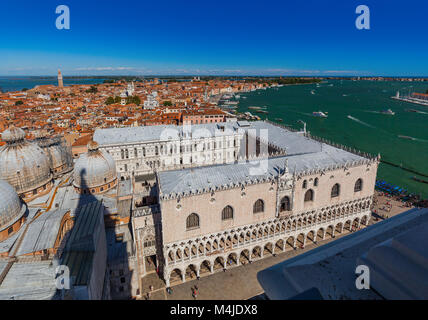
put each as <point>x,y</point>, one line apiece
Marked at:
<point>358,185</point>
<point>335,191</point>
<point>309,195</point>
<point>149,242</point>
<point>316,182</point>
<point>192,221</point>
<point>259,206</point>
<point>305,184</point>
<point>9,231</point>
<point>227,213</point>
<point>285,204</point>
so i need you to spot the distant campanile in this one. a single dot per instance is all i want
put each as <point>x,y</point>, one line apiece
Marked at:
<point>60,82</point>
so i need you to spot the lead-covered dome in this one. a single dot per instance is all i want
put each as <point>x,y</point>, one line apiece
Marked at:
<point>95,171</point>
<point>11,207</point>
<point>24,165</point>
<point>13,134</point>
<point>60,158</point>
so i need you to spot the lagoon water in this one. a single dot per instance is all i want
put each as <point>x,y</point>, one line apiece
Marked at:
<point>8,84</point>
<point>354,120</point>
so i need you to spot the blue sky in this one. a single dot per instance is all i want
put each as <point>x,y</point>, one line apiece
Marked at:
<point>283,37</point>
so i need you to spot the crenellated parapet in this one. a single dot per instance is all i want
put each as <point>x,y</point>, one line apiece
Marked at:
<point>343,147</point>
<point>223,187</point>
<point>334,167</point>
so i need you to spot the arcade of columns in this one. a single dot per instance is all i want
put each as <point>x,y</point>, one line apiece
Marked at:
<point>216,252</point>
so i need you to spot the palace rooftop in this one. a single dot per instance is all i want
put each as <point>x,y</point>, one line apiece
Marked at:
<point>203,179</point>
<point>291,142</point>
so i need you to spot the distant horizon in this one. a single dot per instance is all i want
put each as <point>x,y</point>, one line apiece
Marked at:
<point>210,75</point>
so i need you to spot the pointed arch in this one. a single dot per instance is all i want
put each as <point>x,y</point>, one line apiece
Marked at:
<point>227,213</point>
<point>335,191</point>
<point>358,185</point>
<point>309,195</point>
<point>259,206</point>
<point>285,204</point>
<point>192,221</point>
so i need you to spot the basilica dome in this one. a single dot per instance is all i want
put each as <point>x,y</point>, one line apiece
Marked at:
<point>11,208</point>
<point>24,165</point>
<point>59,154</point>
<point>94,171</point>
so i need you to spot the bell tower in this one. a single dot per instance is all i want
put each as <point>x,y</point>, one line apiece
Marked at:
<point>60,81</point>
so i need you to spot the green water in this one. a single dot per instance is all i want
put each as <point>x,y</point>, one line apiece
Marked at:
<point>368,131</point>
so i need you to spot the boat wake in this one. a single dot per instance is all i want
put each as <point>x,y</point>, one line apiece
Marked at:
<point>412,138</point>
<point>372,111</point>
<point>302,113</point>
<point>361,122</point>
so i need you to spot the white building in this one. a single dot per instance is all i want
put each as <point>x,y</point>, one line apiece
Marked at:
<point>151,102</point>
<point>142,150</point>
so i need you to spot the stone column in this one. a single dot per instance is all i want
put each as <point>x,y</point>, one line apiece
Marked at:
<point>183,276</point>
<point>315,237</point>
<point>212,267</point>
<point>294,243</point>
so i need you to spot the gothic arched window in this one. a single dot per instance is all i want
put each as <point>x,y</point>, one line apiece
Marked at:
<point>149,241</point>
<point>335,191</point>
<point>285,204</point>
<point>227,213</point>
<point>192,221</point>
<point>316,182</point>
<point>309,195</point>
<point>259,206</point>
<point>305,184</point>
<point>358,185</point>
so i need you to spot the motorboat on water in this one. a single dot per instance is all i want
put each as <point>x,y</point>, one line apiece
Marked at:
<point>388,112</point>
<point>320,114</point>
